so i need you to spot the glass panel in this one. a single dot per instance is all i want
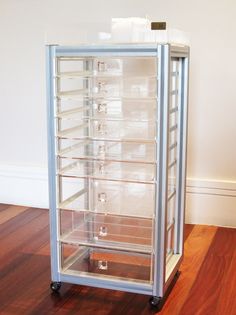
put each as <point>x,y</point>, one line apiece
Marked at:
<point>103,108</point>
<point>104,129</point>
<point>109,231</point>
<point>121,171</point>
<point>108,150</point>
<point>105,66</point>
<point>106,123</point>
<point>106,77</point>
<point>84,260</point>
<point>129,87</point>
<point>108,197</point>
<point>172,157</point>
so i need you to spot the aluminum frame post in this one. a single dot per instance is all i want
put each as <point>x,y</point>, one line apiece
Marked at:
<point>162,170</point>
<point>54,246</point>
<point>183,112</point>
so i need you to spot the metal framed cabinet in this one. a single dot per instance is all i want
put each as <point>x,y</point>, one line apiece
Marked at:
<point>117,127</point>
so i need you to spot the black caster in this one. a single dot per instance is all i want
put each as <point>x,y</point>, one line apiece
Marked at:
<point>55,286</point>
<point>158,302</point>
<point>155,302</point>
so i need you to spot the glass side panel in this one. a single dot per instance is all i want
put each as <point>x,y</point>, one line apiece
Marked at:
<point>107,197</point>
<point>108,231</point>
<point>85,260</point>
<point>108,150</point>
<point>173,157</point>
<point>119,171</point>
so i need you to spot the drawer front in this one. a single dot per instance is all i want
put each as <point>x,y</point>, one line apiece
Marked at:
<point>105,108</point>
<point>106,230</point>
<point>108,170</point>
<point>108,130</point>
<point>108,87</point>
<point>105,66</point>
<point>85,260</point>
<point>108,150</point>
<point>108,197</point>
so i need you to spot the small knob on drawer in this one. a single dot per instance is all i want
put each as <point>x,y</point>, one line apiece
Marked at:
<point>102,66</point>
<point>101,128</point>
<point>102,197</point>
<point>101,149</point>
<point>102,264</point>
<point>103,231</point>
<point>102,108</point>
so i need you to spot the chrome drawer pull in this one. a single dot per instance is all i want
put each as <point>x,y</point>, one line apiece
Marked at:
<point>101,168</point>
<point>102,197</point>
<point>102,264</point>
<point>102,108</point>
<point>101,150</point>
<point>102,66</point>
<point>103,231</point>
<point>101,128</point>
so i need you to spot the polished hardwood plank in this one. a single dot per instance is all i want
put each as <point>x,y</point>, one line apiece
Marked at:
<point>10,212</point>
<point>187,230</point>
<point>196,247</point>
<point>204,296</point>
<point>206,284</point>
<point>227,298</point>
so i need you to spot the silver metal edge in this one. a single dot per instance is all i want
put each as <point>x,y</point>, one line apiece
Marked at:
<point>114,284</point>
<point>161,188</point>
<point>54,247</point>
<point>125,49</point>
<point>184,131</point>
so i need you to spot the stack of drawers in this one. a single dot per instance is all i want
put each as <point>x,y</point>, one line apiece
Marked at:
<point>106,144</point>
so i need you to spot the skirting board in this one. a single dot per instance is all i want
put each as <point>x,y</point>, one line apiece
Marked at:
<point>210,202</point>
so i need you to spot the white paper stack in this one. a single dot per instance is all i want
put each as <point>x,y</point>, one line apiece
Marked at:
<point>138,30</point>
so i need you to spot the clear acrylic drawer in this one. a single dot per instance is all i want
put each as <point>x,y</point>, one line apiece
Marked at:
<point>108,129</point>
<point>113,87</point>
<point>109,170</point>
<point>107,150</point>
<point>104,230</point>
<point>107,197</point>
<point>107,77</point>
<point>106,66</point>
<point>88,260</point>
<point>105,108</point>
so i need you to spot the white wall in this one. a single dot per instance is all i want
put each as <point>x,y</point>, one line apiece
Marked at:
<point>212,111</point>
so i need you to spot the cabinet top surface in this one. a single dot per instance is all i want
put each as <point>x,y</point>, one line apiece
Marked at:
<point>144,48</point>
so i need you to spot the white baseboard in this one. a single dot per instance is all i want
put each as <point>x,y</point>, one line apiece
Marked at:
<point>211,202</point>
<point>24,185</point>
<point>208,201</point>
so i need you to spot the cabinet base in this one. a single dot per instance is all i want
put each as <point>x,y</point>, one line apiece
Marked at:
<point>158,302</point>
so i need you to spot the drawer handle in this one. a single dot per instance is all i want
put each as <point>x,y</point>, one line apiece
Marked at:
<point>101,150</point>
<point>102,197</point>
<point>102,66</point>
<point>101,128</point>
<point>102,264</point>
<point>103,231</point>
<point>101,168</point>
<point>101,87</point>
<point>102,108</point>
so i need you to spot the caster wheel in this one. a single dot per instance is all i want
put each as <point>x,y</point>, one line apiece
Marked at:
<point>155,301</point>
<point>55,286</point>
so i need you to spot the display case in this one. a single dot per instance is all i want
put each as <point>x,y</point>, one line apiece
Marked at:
<point>117,127</point>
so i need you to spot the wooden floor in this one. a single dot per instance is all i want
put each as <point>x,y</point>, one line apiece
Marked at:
<point>206,286</point>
